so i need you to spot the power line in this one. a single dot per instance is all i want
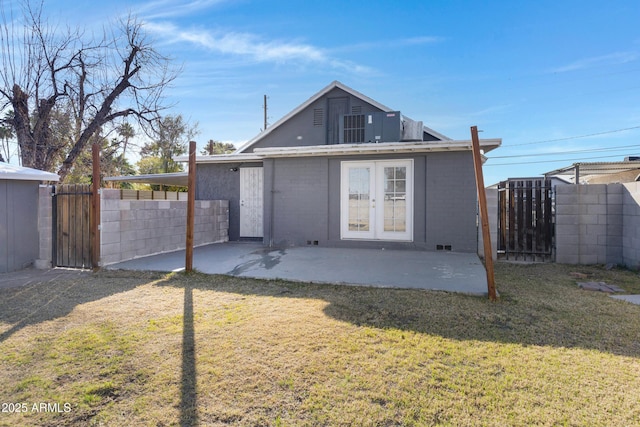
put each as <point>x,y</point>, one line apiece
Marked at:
<point>575,137</point>
<point>590,150</point>
<point>549,161</point>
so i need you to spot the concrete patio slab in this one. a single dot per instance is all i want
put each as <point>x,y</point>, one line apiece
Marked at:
<point>445,271</point>
<point>634,299</point>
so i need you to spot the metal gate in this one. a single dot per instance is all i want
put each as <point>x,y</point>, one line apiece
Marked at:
<point>72,226</point>
<point>526,220</point>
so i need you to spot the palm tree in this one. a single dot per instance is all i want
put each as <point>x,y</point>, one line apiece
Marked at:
<point>126,131</point>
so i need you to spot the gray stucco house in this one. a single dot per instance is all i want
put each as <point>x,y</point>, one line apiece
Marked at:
<point>343,170</point>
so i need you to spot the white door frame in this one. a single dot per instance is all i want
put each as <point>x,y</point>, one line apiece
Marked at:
<point>372,199</point>
<point>251,201</point>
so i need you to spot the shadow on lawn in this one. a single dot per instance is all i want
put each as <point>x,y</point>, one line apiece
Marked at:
<point>188,391</point>
<point>532,310</point>
<point>54,295</point>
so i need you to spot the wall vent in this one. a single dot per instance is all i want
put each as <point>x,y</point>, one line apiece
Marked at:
<point>356,109</point>
<point>318,117</point>
<point>353,129</point>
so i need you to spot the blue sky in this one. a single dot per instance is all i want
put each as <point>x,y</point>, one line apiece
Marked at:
<point>538,74</point>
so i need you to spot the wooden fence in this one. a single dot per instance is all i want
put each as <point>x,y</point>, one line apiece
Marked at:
<point>152,195</point>
<point>72,226</point>
<point>526,220</point>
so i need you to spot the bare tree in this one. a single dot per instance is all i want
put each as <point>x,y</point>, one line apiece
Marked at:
<point>43,69</point>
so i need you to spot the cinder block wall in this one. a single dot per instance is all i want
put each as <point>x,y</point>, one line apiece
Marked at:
<point>631,225</point>
<point>136,228</point>
<point>45,227</point>
<point>589,224</point>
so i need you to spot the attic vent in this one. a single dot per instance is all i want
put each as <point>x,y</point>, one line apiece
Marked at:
<point>356,109</point>
<point>318,116</point>
<point>353,129</point>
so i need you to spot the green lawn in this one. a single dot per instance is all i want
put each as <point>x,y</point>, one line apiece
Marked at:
<point>125,348</point>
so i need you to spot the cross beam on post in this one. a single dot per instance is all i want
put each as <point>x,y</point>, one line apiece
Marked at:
<point>191,205</point>
<point>484,219</point>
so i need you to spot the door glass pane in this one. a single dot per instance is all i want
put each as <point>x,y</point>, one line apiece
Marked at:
<point>359,191</point>
<point>395,199</point>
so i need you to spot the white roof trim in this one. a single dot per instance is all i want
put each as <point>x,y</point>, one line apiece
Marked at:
<point>223,158</point>
<point>20,173</point>
<point>318,95</point>
<point>346,149</point>
<point>382,148</point>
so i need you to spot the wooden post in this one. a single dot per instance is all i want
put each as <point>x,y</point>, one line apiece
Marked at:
<point>484,220</point>
<point>191,206</point>
<point>95,205</point>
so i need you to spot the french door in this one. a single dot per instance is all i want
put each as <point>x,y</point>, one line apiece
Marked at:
<point>376,200</point>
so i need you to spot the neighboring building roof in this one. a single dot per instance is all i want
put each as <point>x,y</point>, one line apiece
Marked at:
<point>175,179</point>
<point>596,172</point>
<point>320,94</point>
<point>20,173</point>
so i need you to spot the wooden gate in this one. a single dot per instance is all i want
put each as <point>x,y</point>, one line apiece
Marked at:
<point>71,226</point>
<point>526,220</point>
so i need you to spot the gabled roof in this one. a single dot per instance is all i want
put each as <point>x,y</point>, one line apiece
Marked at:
<point>19,173</point>
<point>333,85</point>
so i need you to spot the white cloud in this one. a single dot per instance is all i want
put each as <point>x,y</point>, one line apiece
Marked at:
<point>170,8</point>
<point>251,46</point>
<point>596,61</point>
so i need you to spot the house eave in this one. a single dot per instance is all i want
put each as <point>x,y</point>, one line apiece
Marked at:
<point>345,150</point>
<point>381,148</point>
<point>223,158</point>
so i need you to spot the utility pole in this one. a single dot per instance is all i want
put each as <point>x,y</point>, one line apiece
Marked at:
<point>265,112</point>
<point>484,220</point>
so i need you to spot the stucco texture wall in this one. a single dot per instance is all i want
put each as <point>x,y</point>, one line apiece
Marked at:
<point>222,182</point>
<point>302,202</point>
